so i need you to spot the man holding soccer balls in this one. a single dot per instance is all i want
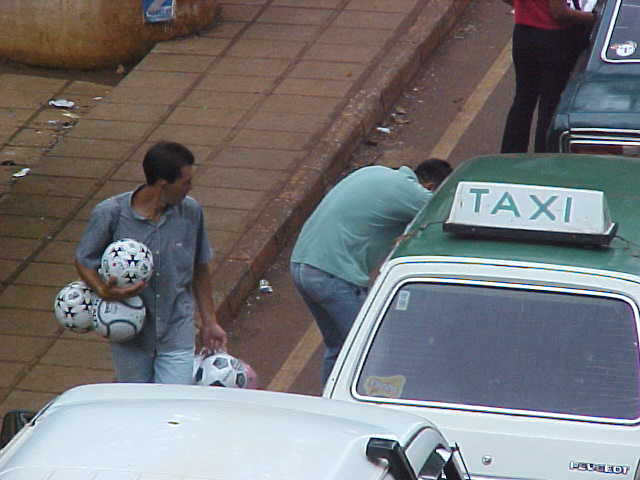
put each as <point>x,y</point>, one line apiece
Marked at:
<point>163,219</point>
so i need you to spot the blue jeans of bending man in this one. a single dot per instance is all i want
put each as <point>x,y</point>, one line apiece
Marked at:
<point>334,304</point>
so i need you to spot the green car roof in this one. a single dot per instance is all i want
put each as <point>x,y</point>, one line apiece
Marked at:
<point>618,177</point>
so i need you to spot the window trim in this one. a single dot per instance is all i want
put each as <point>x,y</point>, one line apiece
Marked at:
<point>484,409</point>
<point>605,46</point>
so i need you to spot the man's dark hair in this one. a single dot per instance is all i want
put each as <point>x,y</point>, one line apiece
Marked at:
<point>164,161</point>
<point>434,170</point>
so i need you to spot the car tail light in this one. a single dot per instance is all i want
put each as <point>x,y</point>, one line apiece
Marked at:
<point>605,149</point>
<point>598,149</point>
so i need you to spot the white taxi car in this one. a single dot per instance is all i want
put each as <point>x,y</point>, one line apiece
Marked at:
<point>508,315</point>
<point>171,432</point>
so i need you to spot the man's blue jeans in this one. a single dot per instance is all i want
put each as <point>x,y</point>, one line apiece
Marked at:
<point>334,303</point>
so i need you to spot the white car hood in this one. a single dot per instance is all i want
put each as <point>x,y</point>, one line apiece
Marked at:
<point>196,433</point>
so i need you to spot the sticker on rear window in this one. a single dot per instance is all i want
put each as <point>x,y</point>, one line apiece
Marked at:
<point>403,300</point>
<point>389,387</point>
<point>624,49</point>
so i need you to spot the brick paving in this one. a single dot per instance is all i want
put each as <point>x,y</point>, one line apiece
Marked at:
<point>272,100</point>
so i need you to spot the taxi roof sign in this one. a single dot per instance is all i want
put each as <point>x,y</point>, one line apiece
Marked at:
<point>533,212</point>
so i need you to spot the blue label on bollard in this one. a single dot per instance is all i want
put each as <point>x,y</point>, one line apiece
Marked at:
<point>158,10</point>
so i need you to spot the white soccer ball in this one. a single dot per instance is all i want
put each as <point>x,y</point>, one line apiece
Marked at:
<point>119,321</point>
<point>197,363</point>
<point>74,305</point>
<point>221,370</point>
<point>128,260</point>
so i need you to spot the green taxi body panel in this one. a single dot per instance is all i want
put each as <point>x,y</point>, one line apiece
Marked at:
<point>608,93</point>
<point>600,101</point>
<point>618,177</point>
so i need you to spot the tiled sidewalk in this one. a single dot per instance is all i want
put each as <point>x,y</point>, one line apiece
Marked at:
<point>272,100</point>
<point>29,126</point>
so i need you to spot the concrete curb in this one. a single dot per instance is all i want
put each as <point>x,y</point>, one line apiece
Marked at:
<point>284,215</point>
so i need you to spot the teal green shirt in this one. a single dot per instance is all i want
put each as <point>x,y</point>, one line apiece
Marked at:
<point>355,225</point>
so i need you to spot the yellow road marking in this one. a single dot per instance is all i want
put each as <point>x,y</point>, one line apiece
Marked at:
<point>297,360</point>
<point>473,105</point>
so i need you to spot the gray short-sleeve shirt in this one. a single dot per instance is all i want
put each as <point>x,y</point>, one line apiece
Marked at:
<point>178,241</point>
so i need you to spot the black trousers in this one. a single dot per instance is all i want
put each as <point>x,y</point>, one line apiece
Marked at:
<point>543,60</point>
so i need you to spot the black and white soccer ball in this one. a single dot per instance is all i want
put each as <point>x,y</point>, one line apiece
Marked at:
<point>119,321</point>
<point>128,260</point>
<point>74,305</point>
<point>220,370</point>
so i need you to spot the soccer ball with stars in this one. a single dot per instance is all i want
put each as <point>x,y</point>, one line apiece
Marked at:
<point>73,307</point>
<point>128,260</point>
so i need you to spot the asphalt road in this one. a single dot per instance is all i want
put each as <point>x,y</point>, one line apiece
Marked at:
<point>455,109</point>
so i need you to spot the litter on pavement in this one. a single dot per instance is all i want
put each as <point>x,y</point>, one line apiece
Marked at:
<point>265,287</point>
<point>61,103</point>
<point>22,173</point>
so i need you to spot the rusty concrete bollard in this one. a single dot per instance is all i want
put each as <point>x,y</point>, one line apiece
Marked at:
<point>90,34</point>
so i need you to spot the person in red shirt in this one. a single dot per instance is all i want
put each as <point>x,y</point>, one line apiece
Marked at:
<point>547,38</point>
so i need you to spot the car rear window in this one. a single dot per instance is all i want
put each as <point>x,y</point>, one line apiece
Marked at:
<point>509,348</point>
<point>624,35</point>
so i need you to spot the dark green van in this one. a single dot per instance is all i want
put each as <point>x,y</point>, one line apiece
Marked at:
<point>599,111</point>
